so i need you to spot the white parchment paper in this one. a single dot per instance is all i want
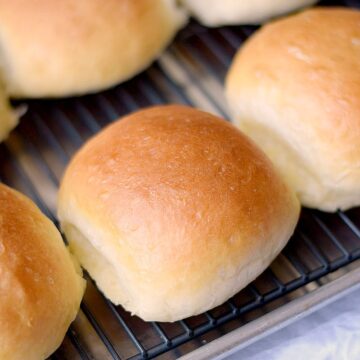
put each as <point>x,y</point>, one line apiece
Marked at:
<point>331,333</point>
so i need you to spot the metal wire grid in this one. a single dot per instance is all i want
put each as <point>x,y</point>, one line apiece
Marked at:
<point>190,72</point>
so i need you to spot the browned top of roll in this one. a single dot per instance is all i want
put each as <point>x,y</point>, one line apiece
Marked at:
<point>311,62</point>
<point>62,48</point>
<point>172,167</point>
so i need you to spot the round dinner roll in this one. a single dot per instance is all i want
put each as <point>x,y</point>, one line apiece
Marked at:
<point>67,47</point>
<point>172,211</point>
<point>40,284</point>
<point>298,96</point>
<point>236,12</point>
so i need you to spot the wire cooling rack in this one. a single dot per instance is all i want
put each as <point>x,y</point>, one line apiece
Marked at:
<point>191,72</point>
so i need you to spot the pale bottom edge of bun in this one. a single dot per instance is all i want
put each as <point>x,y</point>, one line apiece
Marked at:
<point>8,115</point>
<point>313,191</point>
<point>94,262</point>
<point>67,321</point>
<point>108,280</point>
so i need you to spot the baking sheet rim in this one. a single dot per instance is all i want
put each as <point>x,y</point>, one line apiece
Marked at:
<point>277,319</point>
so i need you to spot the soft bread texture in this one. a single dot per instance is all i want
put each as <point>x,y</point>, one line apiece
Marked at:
<point>9,117</point>
<point>61,48</point>
<point>172,211</point>
<point>40,284</point>
<point>236,12</point>
<point>298,96</point>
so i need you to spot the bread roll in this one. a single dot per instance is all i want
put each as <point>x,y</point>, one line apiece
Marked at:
<point>172,211</point>
<point>67,47</point>
<point>236,12</point>
<point>298,96</point>
<point>40,285</point>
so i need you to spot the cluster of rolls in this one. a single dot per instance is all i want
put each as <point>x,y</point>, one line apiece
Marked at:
<point>71,48</point>
<point>173,210</point>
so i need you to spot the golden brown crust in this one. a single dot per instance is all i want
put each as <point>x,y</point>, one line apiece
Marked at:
<point>40,286</point>
<point>180,203</point>
<point>302,91</point>
<point>71,47</point>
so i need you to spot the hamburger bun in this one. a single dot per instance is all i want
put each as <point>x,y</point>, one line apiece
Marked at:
<point>63,48</point>
<point>172,211</point>
<point>298,96</point>
<point>40,284</point>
